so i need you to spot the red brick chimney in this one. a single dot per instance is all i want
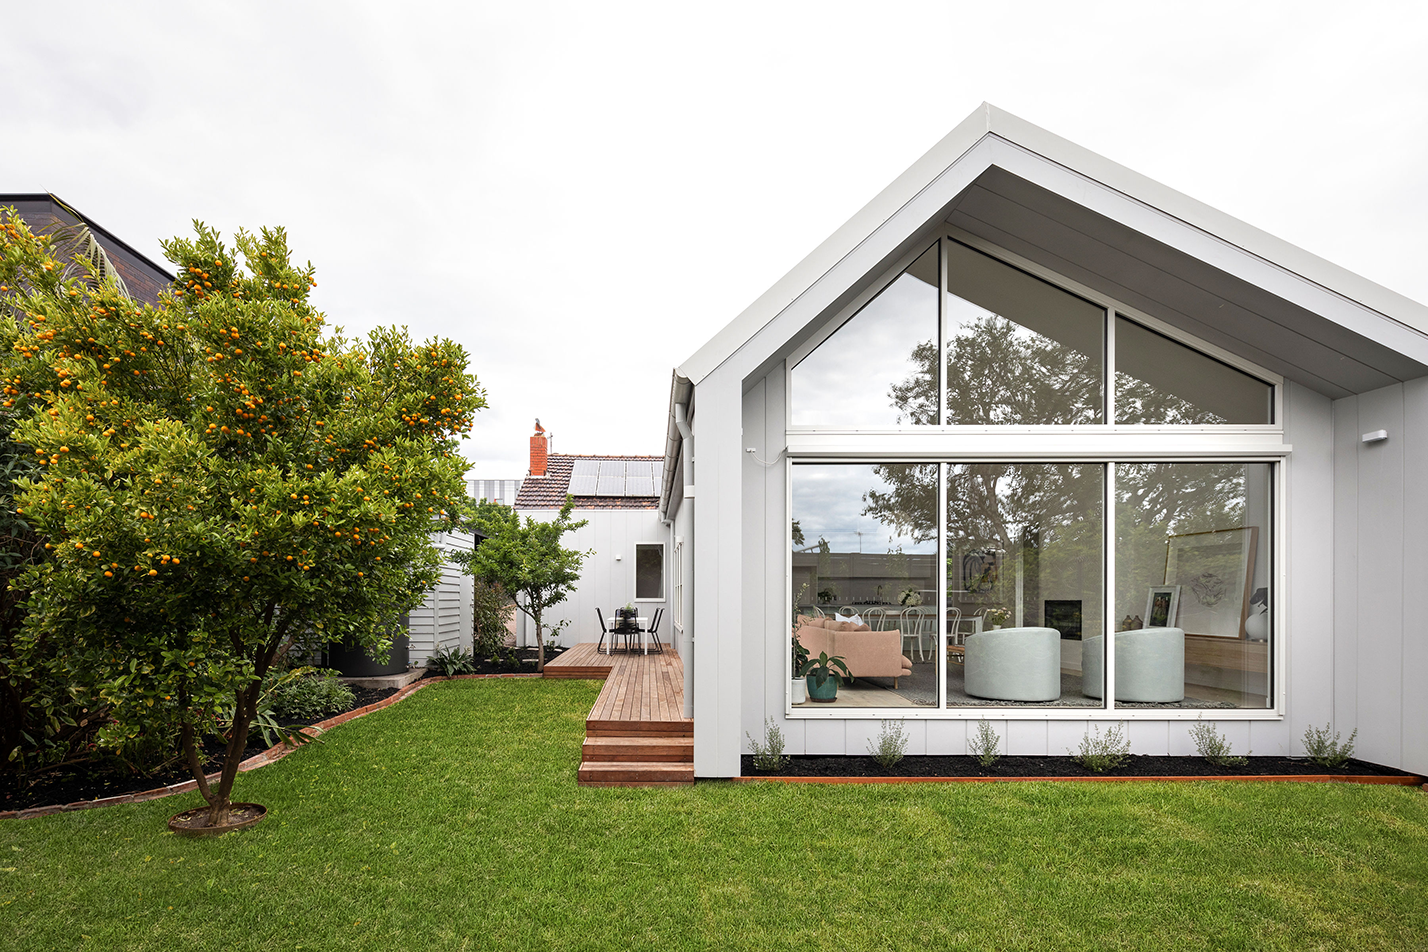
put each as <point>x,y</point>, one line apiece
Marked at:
<point>538,450</point>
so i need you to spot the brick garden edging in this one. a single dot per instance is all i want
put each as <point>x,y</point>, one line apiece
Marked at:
<point>272,754</point>
<point>1406,780</point>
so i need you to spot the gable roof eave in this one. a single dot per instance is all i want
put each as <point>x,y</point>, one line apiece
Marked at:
<point>1322,277</point>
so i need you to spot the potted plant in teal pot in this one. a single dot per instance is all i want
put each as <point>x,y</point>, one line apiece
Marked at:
<point>821,679</point>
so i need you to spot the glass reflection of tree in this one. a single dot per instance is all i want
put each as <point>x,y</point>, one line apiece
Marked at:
<point>1140,402</point>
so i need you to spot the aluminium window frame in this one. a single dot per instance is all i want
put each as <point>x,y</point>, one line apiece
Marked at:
<point>1106,443</point>
<point>663,572</point>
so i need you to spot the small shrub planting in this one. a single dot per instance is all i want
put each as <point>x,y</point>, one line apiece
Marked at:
<point>985,743</point>
<point>449,662</point>
<point>1327,751</point>
<point>311,697</point>
<point>1101,752</point>
<point>891,744</point>
<point>1214,746</point>
<point>493,609</point>
<point>768,754</point>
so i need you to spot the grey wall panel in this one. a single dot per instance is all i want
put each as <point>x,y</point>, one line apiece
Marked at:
<point>1147,737</point>
<point>1346,557</point>
<point>1380,578</point>
<point>1414,673</point>
<point>759,675</point>
<point>1308,669</point>
<point>1027,739</point>
<point>948,737</point>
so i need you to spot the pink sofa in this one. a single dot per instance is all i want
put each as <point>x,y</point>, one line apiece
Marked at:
<point>867,653</point>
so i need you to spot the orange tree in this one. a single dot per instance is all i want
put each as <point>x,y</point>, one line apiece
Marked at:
<point>217,478</point>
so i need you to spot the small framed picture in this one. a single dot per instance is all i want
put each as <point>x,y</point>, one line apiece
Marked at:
<point>1162,606</point>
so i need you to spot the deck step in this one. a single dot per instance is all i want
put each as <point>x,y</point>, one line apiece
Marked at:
<point>668,749</point>
<point>635,773</point>
<point>577,672</point>
<point>604,728</point>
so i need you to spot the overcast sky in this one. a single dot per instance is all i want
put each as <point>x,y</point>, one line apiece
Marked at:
<point>583,193</point>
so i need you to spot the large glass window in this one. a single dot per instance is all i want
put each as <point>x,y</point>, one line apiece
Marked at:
<point>1007,348</point>
<point>1159,380</point>
<point>880,368</point>
<point>1024,582</point>
<point>865,578</point>
<point>1193,557</point>
<point>1019,350</point>
<point>1000,594</point>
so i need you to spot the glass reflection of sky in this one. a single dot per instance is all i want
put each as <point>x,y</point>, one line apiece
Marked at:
<point>828,503</point>
<point>845,381</point>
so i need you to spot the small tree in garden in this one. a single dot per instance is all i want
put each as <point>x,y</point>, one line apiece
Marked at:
<point>526,559</point>
<point>217,477</point>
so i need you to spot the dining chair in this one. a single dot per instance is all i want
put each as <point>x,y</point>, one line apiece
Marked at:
<point>917,624</point>
<point>654,630</point>
<point>876,619</point>
<point>604,630</point>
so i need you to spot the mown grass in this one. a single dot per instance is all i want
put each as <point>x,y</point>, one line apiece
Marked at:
<point>452,821</point>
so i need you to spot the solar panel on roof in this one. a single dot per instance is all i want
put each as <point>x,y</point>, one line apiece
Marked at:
<point>583,477</point>
<point>639,486</point>
<point>612,478</point>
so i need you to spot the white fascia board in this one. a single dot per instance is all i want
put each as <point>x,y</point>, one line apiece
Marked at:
<point>837,246</point>
<point>1038,443</point>
<point>1211,220</point>
<point>1405,331</point>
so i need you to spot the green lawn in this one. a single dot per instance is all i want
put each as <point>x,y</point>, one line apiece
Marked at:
<point>452,821</point>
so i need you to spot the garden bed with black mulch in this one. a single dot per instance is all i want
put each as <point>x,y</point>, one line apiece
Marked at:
<point>526,657</point>
<point>98,779</point>
<point>1138,766</point>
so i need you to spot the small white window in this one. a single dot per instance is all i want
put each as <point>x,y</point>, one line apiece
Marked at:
<point>649,571</point>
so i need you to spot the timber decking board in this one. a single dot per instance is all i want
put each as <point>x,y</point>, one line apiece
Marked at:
<point>636,732</point>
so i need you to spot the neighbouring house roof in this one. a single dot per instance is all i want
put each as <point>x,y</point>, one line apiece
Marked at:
<point>596,482</point>
<point>142,278</point>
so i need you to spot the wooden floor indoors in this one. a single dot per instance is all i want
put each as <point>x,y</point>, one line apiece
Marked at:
<point>636,735</point>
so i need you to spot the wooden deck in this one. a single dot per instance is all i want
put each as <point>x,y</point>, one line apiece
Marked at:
<point>636,735</point>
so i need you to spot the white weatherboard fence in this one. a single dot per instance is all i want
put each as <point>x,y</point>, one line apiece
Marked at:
<point>443,619</point>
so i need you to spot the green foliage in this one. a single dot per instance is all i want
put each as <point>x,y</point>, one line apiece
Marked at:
<point>218,476</point>
<point>1214,746</point>
<point>800,654</point>
<point>449,662</point>
<point>821,668</point>
<point>890,745</point>
<point>1102,752</point>
<point>1327,751</point>
<point>768,753</point>
<point>526,559</point>
<point>985,744</point>
<point>493,609</point>
<point>315,694</point>
<point>1036,866</point>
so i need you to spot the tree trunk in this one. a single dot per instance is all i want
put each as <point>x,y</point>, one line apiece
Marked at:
<point>244,710</point>
<point>540,644</point>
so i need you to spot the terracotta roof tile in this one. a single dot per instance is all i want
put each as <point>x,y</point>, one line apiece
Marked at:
<point>548,491</point>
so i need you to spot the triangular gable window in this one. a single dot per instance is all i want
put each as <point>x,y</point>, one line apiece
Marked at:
<point>1015,350</point>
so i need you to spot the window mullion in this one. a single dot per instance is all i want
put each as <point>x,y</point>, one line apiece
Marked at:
<point>1108,613</point>
<point>1110,360</point>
